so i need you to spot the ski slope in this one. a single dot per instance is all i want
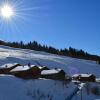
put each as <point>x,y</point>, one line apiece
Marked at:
<point>12,88</point>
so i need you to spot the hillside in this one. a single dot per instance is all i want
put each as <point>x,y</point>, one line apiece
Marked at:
<point>39,89</point>
<point>69,52</point>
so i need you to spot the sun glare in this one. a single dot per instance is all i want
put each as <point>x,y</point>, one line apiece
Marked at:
<point>7,11</point>
<point>15,14</point>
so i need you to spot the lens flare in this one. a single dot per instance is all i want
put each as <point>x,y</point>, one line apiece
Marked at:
<point>7,11</point>
<point>15,15</point>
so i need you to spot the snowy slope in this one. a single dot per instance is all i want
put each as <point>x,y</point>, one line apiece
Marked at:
<point>70,65</point>
<point>12,88</point>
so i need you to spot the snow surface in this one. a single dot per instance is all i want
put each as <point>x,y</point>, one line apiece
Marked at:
<point>8,65</point>
<point>12,88</point>
<point>40,67</point>
<point>52,71</point>
<point>20,68</point>
<point>82,75</point>
<point>70,65</point>
<point>81,86</point>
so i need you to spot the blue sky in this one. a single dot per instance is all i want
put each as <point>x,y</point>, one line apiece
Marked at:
<point>59,23</point>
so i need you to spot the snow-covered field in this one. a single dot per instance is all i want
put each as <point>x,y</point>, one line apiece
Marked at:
<point>12,88</point>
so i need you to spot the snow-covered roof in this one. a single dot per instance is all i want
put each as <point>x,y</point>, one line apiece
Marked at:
<point>52,71</point>
<point>40,67</point>
<point>20,68</point>
<point>32,65</point>
<point>82,75</point>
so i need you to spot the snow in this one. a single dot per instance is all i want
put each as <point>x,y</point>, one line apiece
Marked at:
<point>98,80</point>
<point>6,75</point>
<point>8,65</point>
<point>12,88</point>
<point>40,67</point>
<point>82,75</point>
<point>81,85</point>
<point>17,89</point>
<point>70,65</point>
<point>52,71</point>
<point>20,68</point>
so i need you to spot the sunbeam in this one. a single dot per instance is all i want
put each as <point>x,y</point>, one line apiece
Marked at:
<point>15,12</point>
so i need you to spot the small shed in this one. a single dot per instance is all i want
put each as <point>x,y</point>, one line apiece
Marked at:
<point>84,77</point>
<point>56,74</point>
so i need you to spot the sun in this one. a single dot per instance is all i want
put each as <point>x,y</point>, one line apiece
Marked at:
<point>7,11</point>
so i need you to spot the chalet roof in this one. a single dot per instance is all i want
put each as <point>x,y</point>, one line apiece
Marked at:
<point>52,71</point>
<point>40,67</point>
<point>82,75</point>
<point>20,68</point>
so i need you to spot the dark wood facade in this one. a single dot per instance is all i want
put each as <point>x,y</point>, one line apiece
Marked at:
<point>33,72</point>
<point>56,76</point>
<point>7,70</point>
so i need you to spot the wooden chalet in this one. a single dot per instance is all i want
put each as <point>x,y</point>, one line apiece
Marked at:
<point>56,74</point>
<point>84,77</point>
<point>26,72</point>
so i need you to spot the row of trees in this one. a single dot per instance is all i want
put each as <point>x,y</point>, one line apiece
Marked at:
<point>71,52</point>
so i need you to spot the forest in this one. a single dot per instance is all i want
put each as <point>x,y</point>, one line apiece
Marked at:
<point>71,52</point>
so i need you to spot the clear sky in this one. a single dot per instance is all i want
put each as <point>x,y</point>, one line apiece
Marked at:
<point>59,23</point>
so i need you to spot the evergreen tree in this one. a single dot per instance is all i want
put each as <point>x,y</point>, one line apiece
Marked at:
<point>72,52</point>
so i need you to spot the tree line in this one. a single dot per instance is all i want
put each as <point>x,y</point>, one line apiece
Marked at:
<point>71,52</point>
